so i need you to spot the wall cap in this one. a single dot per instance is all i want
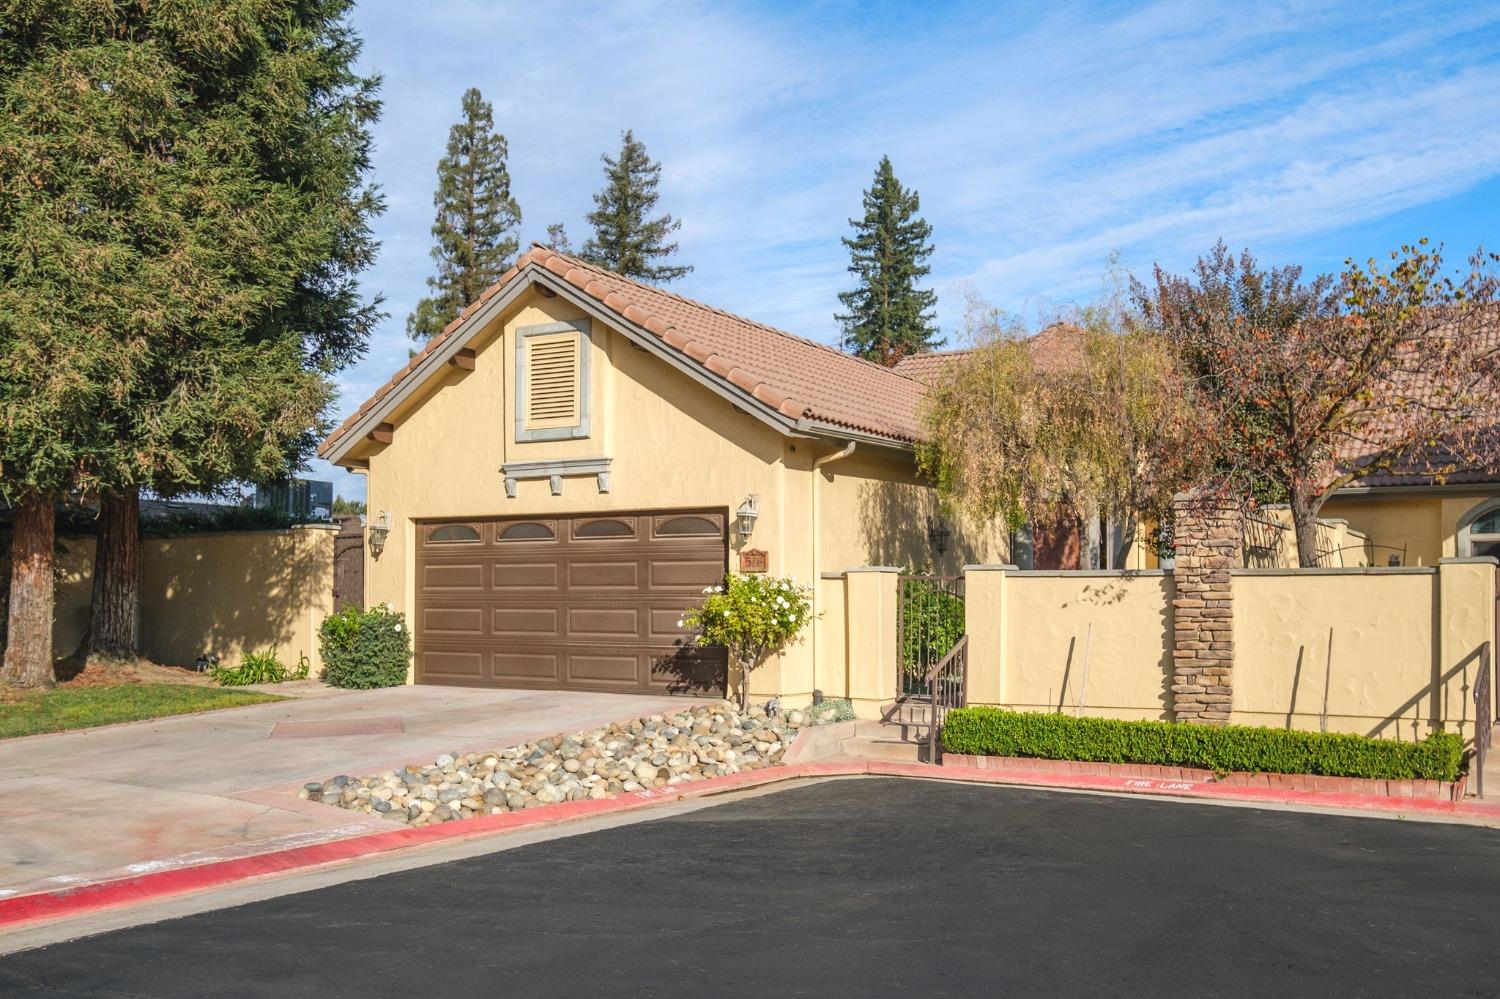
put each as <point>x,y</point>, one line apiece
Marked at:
<point>987,567</point>
<point>830,575</point>
<point>873,568</point>
<point>1093,573</point>
<point>1336,570</point>
<point>1470,560</point>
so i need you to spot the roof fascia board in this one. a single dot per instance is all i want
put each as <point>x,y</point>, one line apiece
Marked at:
<point>1429,488</point>
<point>821,428</point>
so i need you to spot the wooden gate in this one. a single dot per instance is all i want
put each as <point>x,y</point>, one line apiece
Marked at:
<point>349,565</point>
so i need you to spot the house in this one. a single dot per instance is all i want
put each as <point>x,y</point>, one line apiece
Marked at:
<point>559,474</point>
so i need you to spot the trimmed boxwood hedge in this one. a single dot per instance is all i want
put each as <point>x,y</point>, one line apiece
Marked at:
<point>985,731</point>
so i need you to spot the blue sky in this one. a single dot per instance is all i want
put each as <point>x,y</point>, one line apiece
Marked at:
<point>1041,137</point>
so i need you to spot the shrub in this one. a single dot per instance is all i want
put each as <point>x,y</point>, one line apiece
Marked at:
<point>258,667</point>
<point>752,617</point>
<point>988,731</point>
<point>833,709</point>
<point>365,648</point>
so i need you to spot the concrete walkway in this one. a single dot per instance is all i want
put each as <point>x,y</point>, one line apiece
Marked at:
<point>94,805</point>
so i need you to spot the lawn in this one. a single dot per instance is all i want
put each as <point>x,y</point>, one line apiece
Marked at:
<point>83,707</point>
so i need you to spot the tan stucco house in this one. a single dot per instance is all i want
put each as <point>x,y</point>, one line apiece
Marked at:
<point>556,477</point>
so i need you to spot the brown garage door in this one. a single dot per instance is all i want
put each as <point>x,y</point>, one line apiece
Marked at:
<point>588,602</point>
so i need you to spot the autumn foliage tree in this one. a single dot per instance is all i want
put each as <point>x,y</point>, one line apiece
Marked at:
<point>1076,422</point>
<point>1390,368</point>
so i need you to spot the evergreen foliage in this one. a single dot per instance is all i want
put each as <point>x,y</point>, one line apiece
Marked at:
<point>626,239</point>
<point>887,317</point>
<point>477,218</point>
<point>183,213</point>
<point>557,238</point>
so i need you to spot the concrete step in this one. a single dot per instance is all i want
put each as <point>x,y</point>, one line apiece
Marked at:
<point>893,750</point>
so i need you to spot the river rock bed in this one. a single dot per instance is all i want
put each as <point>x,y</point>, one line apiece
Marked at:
<point>712,739</point>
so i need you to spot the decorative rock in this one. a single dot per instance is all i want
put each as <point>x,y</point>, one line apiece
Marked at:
<point>710,739</point>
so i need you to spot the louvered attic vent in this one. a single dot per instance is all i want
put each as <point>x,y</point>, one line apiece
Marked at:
<point>552,396</point>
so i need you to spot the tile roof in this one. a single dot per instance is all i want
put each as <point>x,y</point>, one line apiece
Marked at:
<point>796,377</point>
<point>1055,348</point>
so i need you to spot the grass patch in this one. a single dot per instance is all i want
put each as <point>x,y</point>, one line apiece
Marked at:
<point>84,707</point>
<point>984,731</point>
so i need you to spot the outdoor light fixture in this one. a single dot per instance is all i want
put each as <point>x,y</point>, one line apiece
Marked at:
<point>938,533</point>
<point>378,530</point>
<point>746,514</point>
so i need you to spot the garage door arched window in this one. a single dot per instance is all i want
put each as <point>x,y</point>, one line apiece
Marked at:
<point>526,532</point>
<point>688,527</point>
<point>605,529</point>
<point>449,534</point>
<point>1479,533</point>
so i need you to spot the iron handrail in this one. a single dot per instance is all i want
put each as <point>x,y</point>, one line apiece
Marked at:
<point>1483,733</point>
<point>934,688</point>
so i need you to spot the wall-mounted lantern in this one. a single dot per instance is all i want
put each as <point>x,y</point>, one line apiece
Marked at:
<point>939,534</point>
<point>746,514</point>
<point>378,530</point>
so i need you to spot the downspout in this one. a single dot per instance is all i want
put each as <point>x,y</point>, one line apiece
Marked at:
<point>817,579</point>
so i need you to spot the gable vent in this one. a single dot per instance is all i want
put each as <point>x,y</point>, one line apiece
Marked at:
<point>552,381</point>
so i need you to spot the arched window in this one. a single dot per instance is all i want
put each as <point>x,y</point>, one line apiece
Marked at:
<point>604,529</point>
<point>1479,532</point>
<point>688,527</point>
<point>451,533</point>
<point>526,532</point>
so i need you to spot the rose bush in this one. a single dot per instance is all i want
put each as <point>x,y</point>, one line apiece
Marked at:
<point>753,617</point>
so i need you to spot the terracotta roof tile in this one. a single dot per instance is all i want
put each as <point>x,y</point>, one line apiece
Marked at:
<point>797,377</point>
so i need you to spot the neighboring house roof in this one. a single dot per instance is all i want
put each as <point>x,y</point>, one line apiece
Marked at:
<point>926,368</point>
<point>1055,348</point>
<point>801,380</point>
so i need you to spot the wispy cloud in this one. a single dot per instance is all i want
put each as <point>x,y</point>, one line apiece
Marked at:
<point>1042,138</point>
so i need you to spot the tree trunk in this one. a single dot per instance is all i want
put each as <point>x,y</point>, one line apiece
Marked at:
<point>4,587</point>
<point>115,628</point>
<point>1128,530</point>
<point>1305,522</point>
<point>28,653</point>
<point>1092,538</point>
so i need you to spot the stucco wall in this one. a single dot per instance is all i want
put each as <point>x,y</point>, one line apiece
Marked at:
<point>1404,647</point>
<point>221,593</point>
<point>672,444</point>
<point>1406,644</point>
<point>1031,634</point>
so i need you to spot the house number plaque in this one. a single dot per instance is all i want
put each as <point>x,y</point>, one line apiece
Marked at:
<point>754,560</point>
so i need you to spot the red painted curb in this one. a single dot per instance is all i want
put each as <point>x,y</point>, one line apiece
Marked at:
<point>62,902</point>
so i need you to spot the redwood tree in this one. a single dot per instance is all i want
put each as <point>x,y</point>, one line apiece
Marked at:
<point>184,214</point>
<point>1389,368</point>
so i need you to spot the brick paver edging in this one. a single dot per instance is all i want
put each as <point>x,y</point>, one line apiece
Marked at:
<point>1438,790</point>
<point>64,902</point>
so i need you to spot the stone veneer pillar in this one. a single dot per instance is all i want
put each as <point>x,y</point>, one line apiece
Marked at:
<point>1208,542</point>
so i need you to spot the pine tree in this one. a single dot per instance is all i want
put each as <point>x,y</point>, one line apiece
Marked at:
<point>557,238</point>
<point>888,316</point>
<point>626,239</point>
<point>476,222</point>
<point>178,333</point>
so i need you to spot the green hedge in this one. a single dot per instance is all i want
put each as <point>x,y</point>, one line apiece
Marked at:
<point>983,731</point>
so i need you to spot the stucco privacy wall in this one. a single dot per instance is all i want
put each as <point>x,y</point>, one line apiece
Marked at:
<point>221,593</point>
<point>671,444</point>
<point>1406,644</point>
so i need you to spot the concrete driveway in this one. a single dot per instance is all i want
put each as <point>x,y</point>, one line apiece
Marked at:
<point>111,802</point>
